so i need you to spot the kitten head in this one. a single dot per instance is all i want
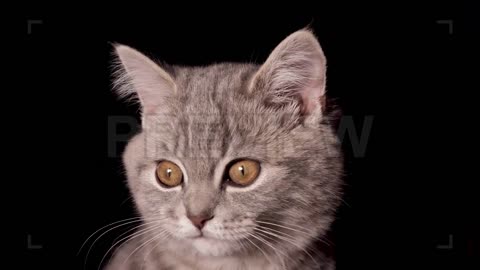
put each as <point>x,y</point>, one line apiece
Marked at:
<point>233,158</point>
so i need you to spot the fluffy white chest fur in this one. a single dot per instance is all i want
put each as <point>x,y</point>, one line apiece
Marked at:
<point>160,258</point>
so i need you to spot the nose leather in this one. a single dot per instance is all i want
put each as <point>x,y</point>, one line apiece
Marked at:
<point>199,221</point>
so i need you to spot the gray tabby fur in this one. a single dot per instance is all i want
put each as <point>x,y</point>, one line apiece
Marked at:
<point>202,118</point>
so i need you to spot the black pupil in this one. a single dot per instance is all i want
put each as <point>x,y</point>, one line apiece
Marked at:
<point>242,170</point>
<point>169,172</point>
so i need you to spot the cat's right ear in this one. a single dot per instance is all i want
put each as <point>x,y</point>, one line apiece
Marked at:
<point>137,75</point>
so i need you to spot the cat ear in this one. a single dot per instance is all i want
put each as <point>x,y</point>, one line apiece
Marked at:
<point>138,74</point>
<point>294,73</point>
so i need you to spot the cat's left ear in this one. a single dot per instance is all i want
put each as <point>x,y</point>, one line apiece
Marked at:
<point>294,73</point>
<point>140,76</point>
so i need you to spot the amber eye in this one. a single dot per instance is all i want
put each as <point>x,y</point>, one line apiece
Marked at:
<point>169,174</point>
<point>244,172</point>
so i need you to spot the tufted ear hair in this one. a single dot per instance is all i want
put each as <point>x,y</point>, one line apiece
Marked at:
<point>294,73</point>
<point>137,74</point>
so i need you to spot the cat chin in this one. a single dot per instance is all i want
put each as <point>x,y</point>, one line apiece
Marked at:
<point>212,247</point>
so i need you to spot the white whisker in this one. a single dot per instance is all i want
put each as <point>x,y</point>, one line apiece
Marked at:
<point>129,238</point>
<point>93,244</point>
<point>136,227</point>
<point>150,251</point>
<point>284,225</point>
<point>113,223</point>
<point>303,230</point>
<point>261,239</point>
<point>288,240</point>
<point>160,235</point>
<point>261,250</point>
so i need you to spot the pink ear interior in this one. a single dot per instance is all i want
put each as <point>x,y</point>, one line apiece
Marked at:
<point>295,70</point>
<point>143,77</point>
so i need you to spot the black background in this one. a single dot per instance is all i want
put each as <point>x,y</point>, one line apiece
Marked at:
<point>405,199</point>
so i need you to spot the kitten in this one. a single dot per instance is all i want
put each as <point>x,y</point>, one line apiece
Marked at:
<point>236,166</point>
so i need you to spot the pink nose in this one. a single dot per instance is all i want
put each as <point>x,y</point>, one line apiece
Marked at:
<point>199,221</point>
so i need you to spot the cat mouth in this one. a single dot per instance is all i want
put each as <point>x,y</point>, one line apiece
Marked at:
<point>201,235</point>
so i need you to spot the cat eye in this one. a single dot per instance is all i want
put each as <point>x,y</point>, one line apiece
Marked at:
<point>169,174</point>
<point>244,172</point>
